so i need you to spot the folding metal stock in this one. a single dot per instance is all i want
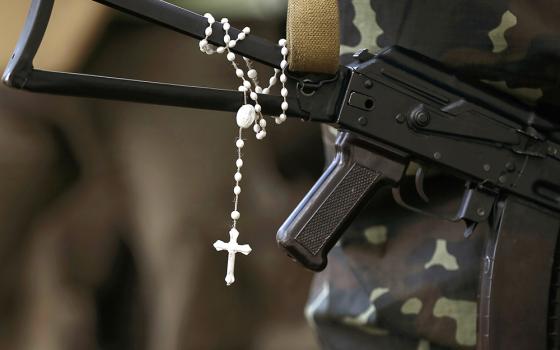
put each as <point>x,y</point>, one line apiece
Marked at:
<point>21,74</point>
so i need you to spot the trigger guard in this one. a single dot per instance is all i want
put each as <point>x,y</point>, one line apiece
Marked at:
<point>396,191</point>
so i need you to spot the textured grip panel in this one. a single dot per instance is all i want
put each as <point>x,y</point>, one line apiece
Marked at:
<point>332,212</point>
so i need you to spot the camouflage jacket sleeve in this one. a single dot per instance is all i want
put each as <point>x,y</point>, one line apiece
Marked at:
<point>513,45</point>
<point>398,280</point>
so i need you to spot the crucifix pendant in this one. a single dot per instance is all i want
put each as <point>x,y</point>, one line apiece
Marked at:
<point>232,248</point>
<point>248,115</point>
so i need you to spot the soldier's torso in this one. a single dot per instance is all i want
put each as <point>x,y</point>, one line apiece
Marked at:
<point>399,280</point>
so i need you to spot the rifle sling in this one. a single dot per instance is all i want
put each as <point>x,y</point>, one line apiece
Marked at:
<point>313,33</point>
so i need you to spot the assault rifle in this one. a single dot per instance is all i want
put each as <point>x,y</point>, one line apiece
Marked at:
<point>392,109</point>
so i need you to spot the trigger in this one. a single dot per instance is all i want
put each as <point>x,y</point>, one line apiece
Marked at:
<point>471,226</point>
<point>419,181</point>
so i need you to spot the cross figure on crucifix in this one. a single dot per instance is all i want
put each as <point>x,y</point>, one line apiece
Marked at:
<point>232,248</point>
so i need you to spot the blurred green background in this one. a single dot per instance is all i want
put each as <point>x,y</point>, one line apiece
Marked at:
<point>108,210</point>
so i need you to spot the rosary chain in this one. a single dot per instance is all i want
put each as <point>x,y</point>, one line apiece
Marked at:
<point>247,115</point>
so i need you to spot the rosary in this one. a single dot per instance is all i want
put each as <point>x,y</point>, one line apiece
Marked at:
<point>248,115</point>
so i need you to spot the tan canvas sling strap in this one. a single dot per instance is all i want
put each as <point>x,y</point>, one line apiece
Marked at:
<point>313,33</point>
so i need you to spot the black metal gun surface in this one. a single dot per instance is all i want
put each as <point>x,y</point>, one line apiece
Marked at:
<point>398,107</point>
<point>392,109</point>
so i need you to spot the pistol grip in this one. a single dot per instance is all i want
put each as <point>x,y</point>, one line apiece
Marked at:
<point>322,216</point>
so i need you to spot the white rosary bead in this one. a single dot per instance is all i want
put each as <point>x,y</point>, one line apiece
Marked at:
<point>252,73</point>
<point>245,116</point>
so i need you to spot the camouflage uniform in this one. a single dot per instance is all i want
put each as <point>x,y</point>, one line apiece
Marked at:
<point>399,280</point>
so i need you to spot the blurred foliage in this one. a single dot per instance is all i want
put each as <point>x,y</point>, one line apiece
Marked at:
<point>236,8</point>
